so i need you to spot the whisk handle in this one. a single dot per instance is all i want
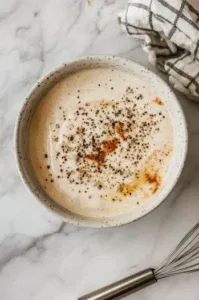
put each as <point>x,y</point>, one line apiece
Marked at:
<point>124,287</point>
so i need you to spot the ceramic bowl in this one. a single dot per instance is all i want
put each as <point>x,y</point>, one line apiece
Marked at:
<point>163,91</point>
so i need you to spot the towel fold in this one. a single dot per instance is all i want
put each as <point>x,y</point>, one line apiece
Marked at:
<point>170,33</point>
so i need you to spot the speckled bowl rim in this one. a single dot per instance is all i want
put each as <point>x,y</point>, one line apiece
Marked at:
<point>87,222</point>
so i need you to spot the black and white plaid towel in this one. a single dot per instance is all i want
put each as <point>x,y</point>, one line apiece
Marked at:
<point>170,33</point>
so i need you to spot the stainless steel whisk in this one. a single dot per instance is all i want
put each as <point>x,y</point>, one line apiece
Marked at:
<point>184,259</point>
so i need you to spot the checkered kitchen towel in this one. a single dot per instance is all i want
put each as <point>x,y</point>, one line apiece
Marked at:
<point>170,33</point>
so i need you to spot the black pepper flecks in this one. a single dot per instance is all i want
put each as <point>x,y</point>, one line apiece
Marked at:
<point>108,130</point>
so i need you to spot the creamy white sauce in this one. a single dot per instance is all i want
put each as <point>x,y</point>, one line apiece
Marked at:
<point>100,142</point>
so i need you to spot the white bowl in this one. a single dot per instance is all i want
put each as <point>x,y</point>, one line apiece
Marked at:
<point>162,90</point>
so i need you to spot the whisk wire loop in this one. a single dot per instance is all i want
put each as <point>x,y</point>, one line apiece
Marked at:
<point>185,257</point>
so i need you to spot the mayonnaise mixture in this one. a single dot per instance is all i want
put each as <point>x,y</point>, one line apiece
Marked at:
<point>100,142</point>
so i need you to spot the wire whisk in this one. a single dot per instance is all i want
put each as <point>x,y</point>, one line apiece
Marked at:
<point>184,259</point>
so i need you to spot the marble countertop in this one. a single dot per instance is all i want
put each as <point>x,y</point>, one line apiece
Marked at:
<point>42,258</point>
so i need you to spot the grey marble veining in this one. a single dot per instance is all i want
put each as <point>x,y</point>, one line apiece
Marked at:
<point>42,258</point>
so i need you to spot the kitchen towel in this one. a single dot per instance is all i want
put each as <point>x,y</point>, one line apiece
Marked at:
<point>169,30</point>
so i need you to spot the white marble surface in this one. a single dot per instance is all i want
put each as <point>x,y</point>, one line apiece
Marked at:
<point>42,258</point>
